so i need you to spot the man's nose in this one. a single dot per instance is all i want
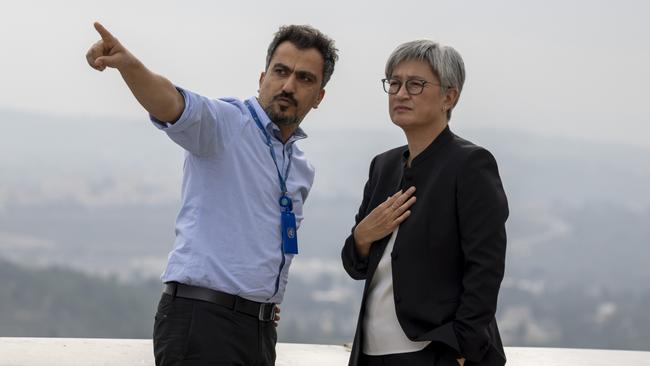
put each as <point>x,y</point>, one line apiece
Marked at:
<point>289,84</point>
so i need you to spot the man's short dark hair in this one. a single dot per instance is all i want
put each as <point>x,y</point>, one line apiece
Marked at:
<point>305,37</point>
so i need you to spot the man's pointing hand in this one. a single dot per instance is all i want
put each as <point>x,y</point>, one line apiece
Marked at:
<point>107,52</point>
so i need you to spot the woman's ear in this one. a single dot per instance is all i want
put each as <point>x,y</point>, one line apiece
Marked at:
<point>451,97</point>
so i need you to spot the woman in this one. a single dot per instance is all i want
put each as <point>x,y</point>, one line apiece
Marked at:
<point>432,267</point>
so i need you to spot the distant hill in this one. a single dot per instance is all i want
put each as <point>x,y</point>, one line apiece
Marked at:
<point>57,302</point>
<point>318,309</point>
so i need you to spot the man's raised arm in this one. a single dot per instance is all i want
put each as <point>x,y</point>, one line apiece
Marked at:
<point>154,92</point>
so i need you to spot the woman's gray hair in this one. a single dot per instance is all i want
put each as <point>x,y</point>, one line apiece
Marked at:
<point>445,63</point>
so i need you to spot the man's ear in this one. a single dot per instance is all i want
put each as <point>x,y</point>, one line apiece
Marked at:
<point>321,95</point>
<point>262,75</point>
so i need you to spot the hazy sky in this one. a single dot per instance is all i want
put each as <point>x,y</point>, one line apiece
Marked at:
<point>572,68</point>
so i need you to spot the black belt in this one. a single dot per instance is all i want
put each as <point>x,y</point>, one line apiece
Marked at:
<point>261,310</point>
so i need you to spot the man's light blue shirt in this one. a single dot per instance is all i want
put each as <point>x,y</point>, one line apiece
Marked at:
<point>228,228</point>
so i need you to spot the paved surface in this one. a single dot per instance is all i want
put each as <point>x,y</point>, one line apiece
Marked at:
<point>120,352</point>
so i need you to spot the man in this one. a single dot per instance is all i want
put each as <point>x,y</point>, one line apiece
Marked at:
<point>432,267</point>
<point>244,183</point>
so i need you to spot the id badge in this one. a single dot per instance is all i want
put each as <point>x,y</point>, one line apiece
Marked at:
<point>289,238</point>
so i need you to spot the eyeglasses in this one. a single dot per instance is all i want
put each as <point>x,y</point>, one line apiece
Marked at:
<point>413,86</point>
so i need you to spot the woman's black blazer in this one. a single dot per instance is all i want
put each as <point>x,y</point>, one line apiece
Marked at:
<point>449,255</point>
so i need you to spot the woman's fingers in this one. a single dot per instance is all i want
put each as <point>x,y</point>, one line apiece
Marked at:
<point>402,217</point>
<point>404,196</point>
<point>386,217</point>
<point>390,200</point>
<point>397,199</point>
<point>403,207</point>
<point>400,198</point>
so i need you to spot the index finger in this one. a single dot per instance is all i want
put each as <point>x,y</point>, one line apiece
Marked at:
<point>106,35</point>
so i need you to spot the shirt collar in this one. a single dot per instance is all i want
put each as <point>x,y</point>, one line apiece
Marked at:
<point>270,126</point>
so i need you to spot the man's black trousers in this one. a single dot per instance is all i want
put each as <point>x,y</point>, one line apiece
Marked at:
<point>193,332</point>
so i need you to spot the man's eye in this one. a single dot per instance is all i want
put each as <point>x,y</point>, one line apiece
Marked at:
<point>281,71</point>
<point>416,83</point>
<point>394,83</point>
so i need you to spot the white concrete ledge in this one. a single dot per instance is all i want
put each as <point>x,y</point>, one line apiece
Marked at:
<point>114,352</point>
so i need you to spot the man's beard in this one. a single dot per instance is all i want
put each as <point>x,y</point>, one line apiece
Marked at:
<point>279,118</point>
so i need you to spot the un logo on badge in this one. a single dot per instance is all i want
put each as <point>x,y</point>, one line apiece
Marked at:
<point>291,233</point>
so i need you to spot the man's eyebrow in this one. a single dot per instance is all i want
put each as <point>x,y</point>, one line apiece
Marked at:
<point>281,65</point>
<point>306,73</point>
<point>300,73</point>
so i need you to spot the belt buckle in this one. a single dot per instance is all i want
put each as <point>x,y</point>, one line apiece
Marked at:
<point>263,306</point>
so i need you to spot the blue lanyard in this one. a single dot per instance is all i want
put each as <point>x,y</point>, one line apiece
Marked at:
<point>283,184</point>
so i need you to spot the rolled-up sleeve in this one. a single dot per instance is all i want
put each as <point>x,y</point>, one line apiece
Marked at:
<point>205,126</point>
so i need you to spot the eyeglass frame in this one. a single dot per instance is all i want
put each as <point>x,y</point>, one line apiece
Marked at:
<point>403,83</point>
